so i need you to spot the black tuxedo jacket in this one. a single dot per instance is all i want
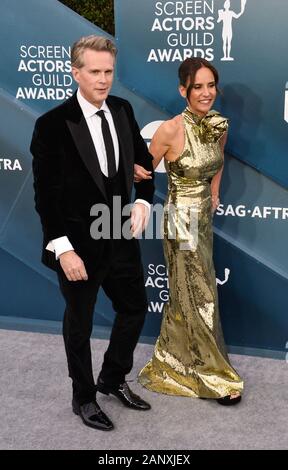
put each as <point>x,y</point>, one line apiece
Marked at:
<point>67,177</point>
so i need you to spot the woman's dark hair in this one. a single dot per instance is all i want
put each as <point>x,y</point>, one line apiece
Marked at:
<point>188,70</point>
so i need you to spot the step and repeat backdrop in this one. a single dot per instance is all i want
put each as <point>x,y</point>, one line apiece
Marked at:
<point>246,40</point>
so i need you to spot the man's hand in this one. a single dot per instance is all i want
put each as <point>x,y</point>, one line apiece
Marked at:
<point>73,266</point>
<point>141,174</point>
<point>139,218</point>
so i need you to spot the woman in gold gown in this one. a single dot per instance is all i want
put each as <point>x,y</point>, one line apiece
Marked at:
<point>190,357</point>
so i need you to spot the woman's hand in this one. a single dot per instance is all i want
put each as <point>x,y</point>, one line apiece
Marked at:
<point>215,202</point>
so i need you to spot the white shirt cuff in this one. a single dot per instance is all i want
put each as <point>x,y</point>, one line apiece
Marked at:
<point>59,245</point>
<point>146,203</point>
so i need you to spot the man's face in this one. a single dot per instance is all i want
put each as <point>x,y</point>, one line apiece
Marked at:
<point>95,78</point>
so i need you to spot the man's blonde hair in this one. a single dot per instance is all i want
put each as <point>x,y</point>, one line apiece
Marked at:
<point>96,43</point>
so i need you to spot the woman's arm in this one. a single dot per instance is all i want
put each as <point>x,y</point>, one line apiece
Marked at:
<point>216,180</point>
<point>160,143</point>
<point>159,146</point>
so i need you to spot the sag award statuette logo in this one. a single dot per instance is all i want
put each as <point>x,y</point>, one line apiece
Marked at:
<point>227,16</point>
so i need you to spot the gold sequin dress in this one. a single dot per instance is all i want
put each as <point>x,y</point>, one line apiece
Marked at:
<point>190,357</point>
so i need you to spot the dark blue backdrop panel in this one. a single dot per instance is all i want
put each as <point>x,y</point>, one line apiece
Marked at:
<point>253,84</point>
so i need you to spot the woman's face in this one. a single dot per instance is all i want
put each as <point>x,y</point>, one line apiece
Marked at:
<point>203,92</point>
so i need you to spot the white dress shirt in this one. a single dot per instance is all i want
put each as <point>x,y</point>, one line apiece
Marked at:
<point>62,244</point>
<point>94,125</point>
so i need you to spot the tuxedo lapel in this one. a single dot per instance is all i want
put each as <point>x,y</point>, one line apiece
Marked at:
<point>81,135</point>
<point>84,143</point>
<point>123,130</point>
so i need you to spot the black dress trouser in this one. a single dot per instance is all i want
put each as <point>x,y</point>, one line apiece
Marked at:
<point>121,277</point>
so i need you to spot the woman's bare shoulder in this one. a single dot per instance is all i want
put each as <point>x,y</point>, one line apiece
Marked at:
<point>169,127</point>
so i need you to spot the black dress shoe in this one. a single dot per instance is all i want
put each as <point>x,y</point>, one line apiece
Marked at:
<point>92,415</point>
<point>125,395</point>
<point>228,401</point>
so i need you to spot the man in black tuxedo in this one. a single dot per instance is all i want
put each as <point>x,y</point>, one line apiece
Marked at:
<point>84,151</point>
